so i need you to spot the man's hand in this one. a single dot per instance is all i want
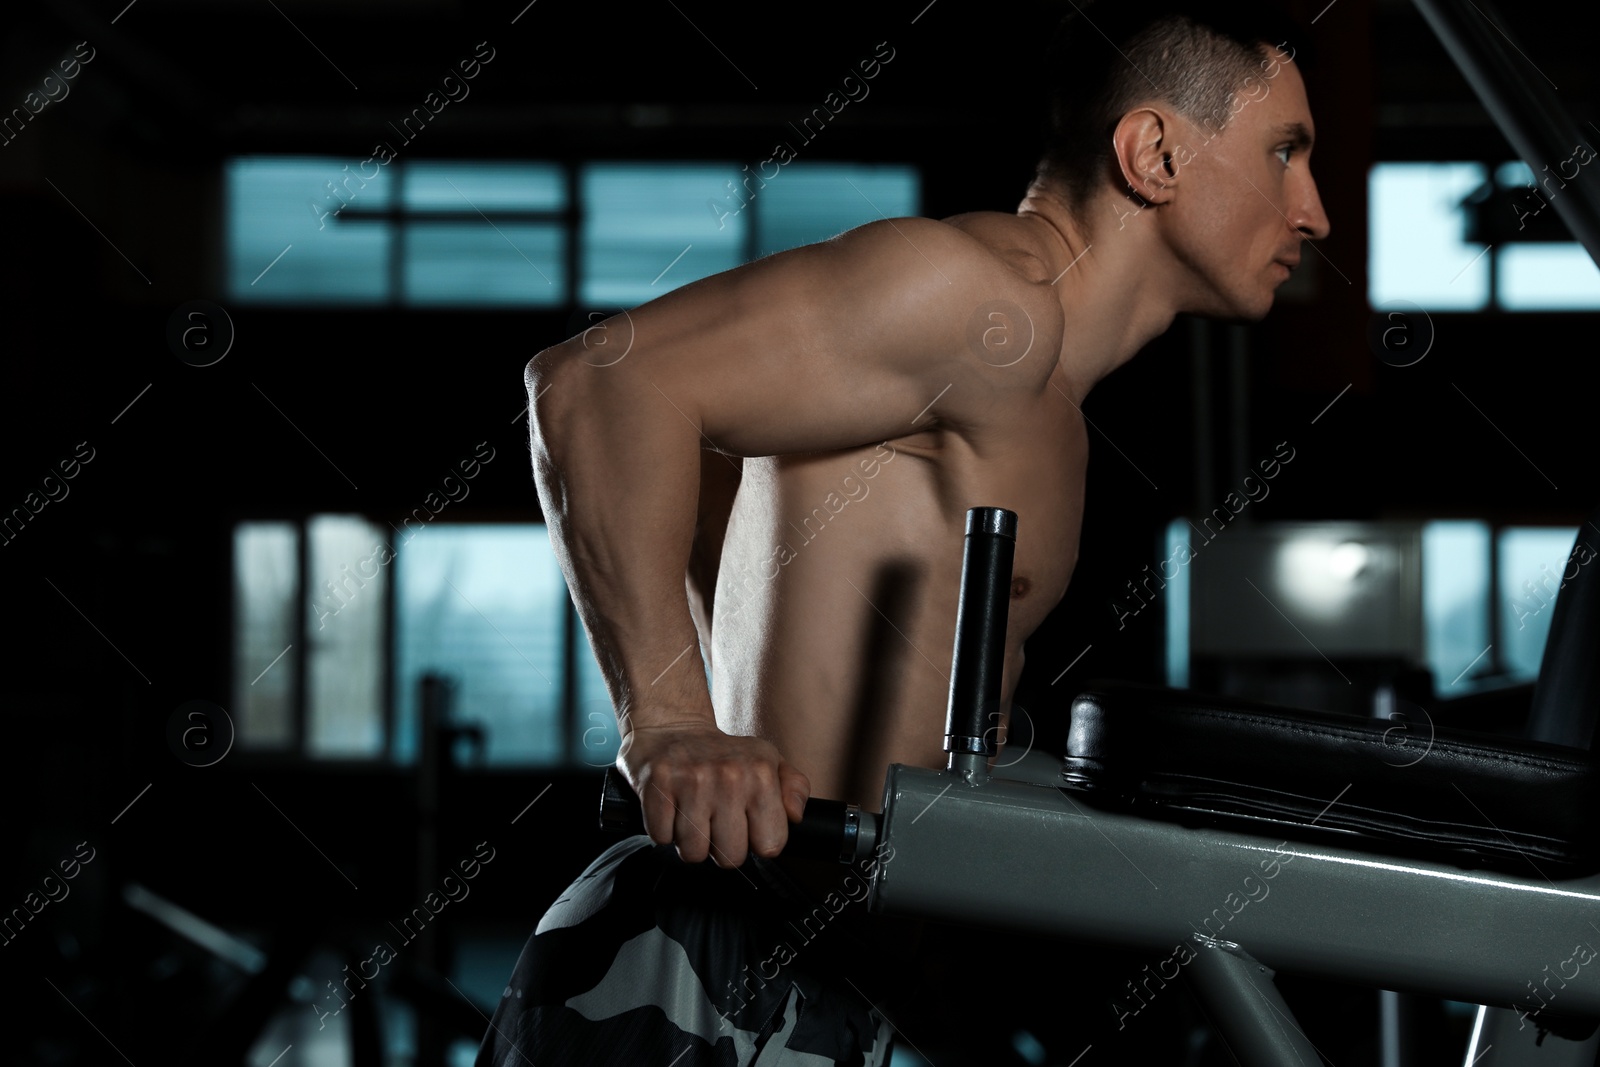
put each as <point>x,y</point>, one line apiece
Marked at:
<point>712,793</point>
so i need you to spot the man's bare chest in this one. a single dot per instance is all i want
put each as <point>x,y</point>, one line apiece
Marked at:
<point>903,503</point>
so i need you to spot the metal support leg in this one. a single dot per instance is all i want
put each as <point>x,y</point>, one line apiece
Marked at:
<point>1409,1026</point>
<point>1245,1006</point>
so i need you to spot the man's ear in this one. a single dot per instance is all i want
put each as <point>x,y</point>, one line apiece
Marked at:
<point>1143,144</point>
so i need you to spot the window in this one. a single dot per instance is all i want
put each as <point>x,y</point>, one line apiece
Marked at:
<point>266,581</point>
<point>347,605</point>
<point>1455,602</point>
<point>1487,597</point>
<point>273,207</point>
<point>486,607</point>
<point>429,233</point>
<point>1465,237</point>
<point>648,229</point>
<point>482,605</point>
<point>313,231</point>
<point>1532,567</point>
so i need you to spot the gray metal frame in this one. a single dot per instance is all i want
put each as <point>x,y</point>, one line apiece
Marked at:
<point>1024,856</point>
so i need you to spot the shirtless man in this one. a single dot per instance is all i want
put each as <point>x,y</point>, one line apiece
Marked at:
<point>860,395</point>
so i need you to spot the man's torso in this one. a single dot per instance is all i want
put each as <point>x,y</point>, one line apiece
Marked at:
<point>836,595</point>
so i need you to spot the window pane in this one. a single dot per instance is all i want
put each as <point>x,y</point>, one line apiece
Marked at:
<point>1417,229</point>
<point>484,186</point>
<point>290,203</point>
<point>1532,563</point>
<point>1547,277</point>
<point>483,605</point>
<point>1455,603</point>
<point>265,582</point>
<point>809,202</point>
<point>344,633</point>
<point>487,257</point>
<point>639,218</point>
<point>478,262</point>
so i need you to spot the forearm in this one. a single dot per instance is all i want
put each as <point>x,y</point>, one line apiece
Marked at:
<point>618,473</point>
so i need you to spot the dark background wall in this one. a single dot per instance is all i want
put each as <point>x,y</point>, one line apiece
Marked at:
<point>119,596</point>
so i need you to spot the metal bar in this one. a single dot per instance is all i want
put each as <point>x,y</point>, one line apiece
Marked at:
<point>1246,1009</point>
<point>977,667</point>
<point>1389,1029</point>
<point>1522,102</point>
<point>1030,857</point>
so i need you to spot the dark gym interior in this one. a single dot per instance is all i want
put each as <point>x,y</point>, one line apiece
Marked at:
<point>262,406</point>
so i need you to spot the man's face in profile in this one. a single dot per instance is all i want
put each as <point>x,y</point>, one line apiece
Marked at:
<point>1246,199</point>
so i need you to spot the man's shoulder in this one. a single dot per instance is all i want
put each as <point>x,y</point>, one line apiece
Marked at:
<point>1006,262</point>
<point>980,258</point>
<point>989,248</point>
<point>1007,240</point>
<point>982,290</point>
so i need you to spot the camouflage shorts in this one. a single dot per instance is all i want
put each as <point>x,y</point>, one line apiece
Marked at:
<point>647,960</point>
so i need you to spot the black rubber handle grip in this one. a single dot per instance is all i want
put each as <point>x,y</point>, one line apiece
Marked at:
<point>829,829</point>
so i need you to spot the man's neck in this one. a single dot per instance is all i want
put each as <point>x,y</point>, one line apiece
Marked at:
<point>1113,299</point>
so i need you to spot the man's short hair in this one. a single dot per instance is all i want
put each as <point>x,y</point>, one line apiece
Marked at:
<point>1106,58</point>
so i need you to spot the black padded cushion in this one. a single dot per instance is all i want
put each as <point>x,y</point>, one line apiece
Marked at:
<point>1470,798</point>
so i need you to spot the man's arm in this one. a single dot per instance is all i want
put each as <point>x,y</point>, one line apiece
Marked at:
<point>821,348</point>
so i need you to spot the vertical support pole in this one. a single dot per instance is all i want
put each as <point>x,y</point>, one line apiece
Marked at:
<point>1246,1008</point>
